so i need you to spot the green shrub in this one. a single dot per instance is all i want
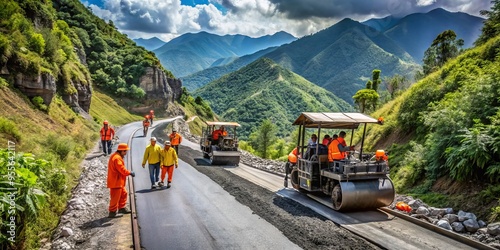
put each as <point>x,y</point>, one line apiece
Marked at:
<point>3,83</point>
<point>10,128</point>
<point>37,43</point>
<point>26,183</point>
<point>62,146</point>
<point>39,103</point>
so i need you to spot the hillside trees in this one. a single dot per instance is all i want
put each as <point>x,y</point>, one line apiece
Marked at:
<point>262,139</point>
<point>444,47</point>
<point>46,47</point>
<point>395,84</point>
<point>367,98</point>
<point>114,61</point>
<point>454,114</point>
<point>491,27</point>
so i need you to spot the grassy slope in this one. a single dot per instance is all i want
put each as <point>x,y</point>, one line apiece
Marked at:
<point>104,107</point>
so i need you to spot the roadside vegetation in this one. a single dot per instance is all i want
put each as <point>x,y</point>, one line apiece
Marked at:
<point>446,127</point>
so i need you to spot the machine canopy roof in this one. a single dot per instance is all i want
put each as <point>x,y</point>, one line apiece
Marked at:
<point>228,124</point>
<point>333,120</point>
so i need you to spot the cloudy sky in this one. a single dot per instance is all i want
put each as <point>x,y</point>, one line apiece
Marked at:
<point>168,19</point>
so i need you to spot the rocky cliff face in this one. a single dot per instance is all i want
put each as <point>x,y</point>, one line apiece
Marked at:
<point>161,92</point>
<point>81,99</point>
<point>43,85</point>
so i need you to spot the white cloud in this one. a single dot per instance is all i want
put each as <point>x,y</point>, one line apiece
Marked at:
<point>168,18</point>
<point>425,2</point>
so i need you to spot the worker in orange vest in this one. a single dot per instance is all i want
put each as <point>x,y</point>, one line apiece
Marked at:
<point>145,125</point>
<point>338,148</point>
<point>151,116</point>
<point>107,134</point>
<point>168,161</point>
<point>175,140</point>
<point>117,174</point>
<point>218,133</point>
<point>292,159</point>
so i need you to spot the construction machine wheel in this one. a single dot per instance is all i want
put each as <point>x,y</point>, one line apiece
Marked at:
<point>362,194</point>
<point>337,197</point>
<point>294,179</point>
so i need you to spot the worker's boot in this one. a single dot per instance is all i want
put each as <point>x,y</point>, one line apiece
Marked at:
<point>168,185</point>
<point>124,210</point>
<point>114,214</point>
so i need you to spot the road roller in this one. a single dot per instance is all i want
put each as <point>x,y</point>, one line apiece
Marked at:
<point>356,180</point>
<point>219,143</point>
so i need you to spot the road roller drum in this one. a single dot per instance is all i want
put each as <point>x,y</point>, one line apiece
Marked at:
<point>362,195</point>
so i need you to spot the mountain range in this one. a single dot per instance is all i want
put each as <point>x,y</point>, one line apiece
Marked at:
<point>415,32</point>
<point>150,44</point>
<point>191,53</point>
<point>342,57</point>
<point>265,90</point>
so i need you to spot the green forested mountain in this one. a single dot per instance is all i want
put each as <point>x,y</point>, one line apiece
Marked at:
<point>415,32</point>
<point>446,130</point>
<point>265,90</point>
<point>190,53</point>
<point>198,79</point>
<point>342,57</point>
<point>114,60</point>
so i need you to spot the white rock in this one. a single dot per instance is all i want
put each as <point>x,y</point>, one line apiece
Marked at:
<point>437,211</point>
<point>422,210</point>
<point>66,231</point>
<point>444,224</point>
<point>494,228</point>
<point>451,217</point>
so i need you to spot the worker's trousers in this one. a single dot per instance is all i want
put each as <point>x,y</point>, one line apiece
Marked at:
<point>118,198</point>
<point>165,170</point>
<point>106,146</point>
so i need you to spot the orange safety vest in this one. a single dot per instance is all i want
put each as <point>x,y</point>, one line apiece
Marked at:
<point>107,134</point>
<point>334,153</point>
<point>117,173</point>
<point>145,123</point>
<point>175,139</point>
<point>292,157</point>
<point>217,133</point>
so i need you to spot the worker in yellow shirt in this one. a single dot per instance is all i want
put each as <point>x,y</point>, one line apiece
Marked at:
<point>168,161</point>
<point>152,156</point>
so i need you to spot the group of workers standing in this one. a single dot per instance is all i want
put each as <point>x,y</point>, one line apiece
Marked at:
<point>165,158</point>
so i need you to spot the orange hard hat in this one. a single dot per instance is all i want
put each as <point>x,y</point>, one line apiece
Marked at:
<point>151,111</point>
<point>105,122</point>
<point>123,146</point>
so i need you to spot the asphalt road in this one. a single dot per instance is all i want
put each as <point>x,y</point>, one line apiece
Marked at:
<point>195,213</point>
